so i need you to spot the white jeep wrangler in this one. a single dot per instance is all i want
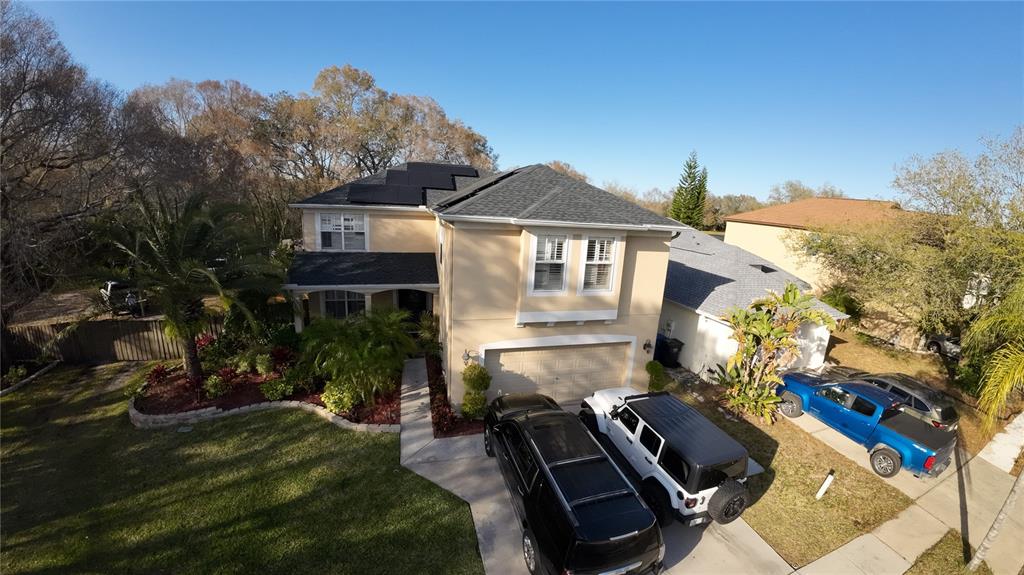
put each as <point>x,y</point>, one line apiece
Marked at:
<point>687,466</point>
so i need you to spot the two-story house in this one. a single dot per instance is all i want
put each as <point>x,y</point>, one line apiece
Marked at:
<point>552,284</point>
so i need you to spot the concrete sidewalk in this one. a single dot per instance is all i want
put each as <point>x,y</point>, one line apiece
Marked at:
<point>460,465</point>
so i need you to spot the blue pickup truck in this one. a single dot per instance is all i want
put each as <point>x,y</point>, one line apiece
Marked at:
<point>873,418</point>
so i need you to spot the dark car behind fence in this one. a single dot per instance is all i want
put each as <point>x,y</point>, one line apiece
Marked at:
<point>97,340</point>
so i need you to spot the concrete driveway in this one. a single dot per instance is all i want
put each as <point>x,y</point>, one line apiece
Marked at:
<point>459,465</point>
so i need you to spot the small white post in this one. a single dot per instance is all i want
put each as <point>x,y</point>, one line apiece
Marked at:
<point>825,484</point>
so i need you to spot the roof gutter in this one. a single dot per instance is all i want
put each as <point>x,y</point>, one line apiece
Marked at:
<point>371,207</point>
<point>560,224</point>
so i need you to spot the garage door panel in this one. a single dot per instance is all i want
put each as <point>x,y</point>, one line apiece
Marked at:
<point>565,373</point>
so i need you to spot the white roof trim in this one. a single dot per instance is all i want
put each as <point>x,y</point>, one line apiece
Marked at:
<point>423,209</point>
<point>357,287</point>
<point>562,224</point>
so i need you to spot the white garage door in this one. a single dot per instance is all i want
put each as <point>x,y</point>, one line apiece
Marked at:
<point>566,373</point>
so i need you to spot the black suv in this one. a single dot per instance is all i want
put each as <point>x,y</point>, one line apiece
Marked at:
<point>579,513</point>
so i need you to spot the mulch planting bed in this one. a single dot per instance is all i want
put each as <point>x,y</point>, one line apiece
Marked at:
<point>174,394</point>
<point>446,422</point>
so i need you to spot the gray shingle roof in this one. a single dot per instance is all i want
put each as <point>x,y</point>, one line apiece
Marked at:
<point>711,276</point>
<point>539,193</point>
<point>362,268</point>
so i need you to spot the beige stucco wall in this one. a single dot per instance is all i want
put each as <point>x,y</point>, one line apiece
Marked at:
<point>389,231</point>
<point>572,299</point>
<point>770,243</point>
<point>485,290</point>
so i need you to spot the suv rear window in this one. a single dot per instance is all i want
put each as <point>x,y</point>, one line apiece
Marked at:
<point>629,419</point>
<point>650,440</point>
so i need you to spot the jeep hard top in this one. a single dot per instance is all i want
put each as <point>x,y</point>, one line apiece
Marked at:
<point>687,466</point>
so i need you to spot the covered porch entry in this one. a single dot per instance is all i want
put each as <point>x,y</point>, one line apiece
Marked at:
<point>339,284</point>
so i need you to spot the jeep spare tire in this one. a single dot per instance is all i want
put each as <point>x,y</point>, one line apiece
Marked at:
<point>729,501</point>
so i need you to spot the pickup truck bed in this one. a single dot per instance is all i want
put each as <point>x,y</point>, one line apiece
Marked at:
<point>918,431</point>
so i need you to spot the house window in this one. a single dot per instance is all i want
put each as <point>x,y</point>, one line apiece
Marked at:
<point>597,265</point>
<point>549,266</point>
<point>342,231</point>
<point>341,304</point>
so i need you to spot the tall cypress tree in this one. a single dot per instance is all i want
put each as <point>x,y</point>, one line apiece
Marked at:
<point>691,194</point>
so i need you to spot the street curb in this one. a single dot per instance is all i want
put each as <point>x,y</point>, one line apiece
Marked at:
<point>147,421</point>
<point>29,379</point>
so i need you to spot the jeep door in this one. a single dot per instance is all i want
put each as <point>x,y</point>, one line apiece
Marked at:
<point>650,446</point>
<point>622,430</point>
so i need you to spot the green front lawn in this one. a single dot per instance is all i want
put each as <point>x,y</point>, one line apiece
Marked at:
<point>785,513</point>
<point>270,492</point>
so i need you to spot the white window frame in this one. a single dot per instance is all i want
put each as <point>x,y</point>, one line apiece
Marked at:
<point>323,302</point>
<point>566,251</point>
<point>616,240</point>
<point>343,215</point>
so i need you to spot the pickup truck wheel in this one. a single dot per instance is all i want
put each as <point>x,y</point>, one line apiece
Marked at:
<point>488,438</point>
<point>728,502</point>
<point>886,462</point>
<point>659,503</point>
<point>791,406</point>
<point>530,553</point>
<point>589,420</point>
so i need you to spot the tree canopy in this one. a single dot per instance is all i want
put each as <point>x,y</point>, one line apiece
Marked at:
<point>793,190</point>
<point>691,194</point>
<point>76,151</point>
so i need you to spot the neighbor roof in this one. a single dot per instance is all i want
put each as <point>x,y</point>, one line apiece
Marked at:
<point>819,213</point>
<point>362,268</point>
<point>541,194</point>
<point>711,276</point>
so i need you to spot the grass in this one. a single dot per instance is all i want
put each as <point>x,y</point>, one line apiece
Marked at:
<point>945,558</point>
<point>784,512</point>
<point>851,350</point>
<point>272,492</point>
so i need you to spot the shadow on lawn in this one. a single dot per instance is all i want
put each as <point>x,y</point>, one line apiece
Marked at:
<point>268,492</point>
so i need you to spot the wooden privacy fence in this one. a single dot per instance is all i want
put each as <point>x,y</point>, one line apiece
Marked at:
<point>98,341</point>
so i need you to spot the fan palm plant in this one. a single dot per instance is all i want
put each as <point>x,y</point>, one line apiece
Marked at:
<point>1001,328</point>
<point>180,252</point>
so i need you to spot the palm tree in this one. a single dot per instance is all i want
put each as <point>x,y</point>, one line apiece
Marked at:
<point>180,252</point>
<point>1001,327</point>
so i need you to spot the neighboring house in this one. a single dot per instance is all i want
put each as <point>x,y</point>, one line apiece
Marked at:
<point>768,232</point>
<point>553,285</point>
<point>706,279</point>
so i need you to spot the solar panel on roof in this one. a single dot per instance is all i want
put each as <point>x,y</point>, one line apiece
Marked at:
<point>385,194</point>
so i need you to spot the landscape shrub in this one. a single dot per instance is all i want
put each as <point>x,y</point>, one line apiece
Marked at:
<point>337,398</point>
<point>839,297</point>
<point>476,377</point>
<point>429,335</point>
<point>276,388</point>
<point>282,356</point>
<point>216,386</point>
<point>474,404</point>
<point>158,374</point>
<point>15,374</point>
<point>361,354</point>
<point>658,379</point>
<point>264,364</point>
<point>442,414</point>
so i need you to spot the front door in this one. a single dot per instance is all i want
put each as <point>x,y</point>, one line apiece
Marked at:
<point>414,301</point>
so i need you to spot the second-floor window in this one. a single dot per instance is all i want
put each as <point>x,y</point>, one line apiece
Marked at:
<point>342,231</point>
<point>549,266</point>
<point>597,266</point>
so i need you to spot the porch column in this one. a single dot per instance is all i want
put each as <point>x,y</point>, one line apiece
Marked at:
<point>299,312</point>
<point>369,301</point>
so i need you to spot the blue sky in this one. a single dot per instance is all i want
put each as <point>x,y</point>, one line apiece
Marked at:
<point>765,92</point>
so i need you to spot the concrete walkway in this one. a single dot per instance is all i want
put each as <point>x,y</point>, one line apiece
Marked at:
<point>965,497</point>
<point>1003,449</point>
<point>459,465</point>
